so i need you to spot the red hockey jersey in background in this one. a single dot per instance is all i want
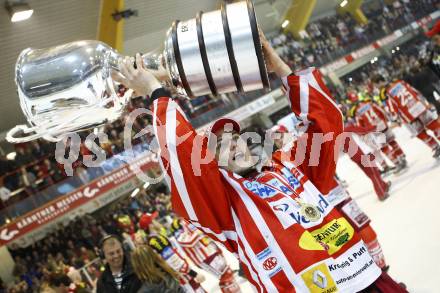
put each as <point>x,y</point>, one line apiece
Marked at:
<point>405,101</point>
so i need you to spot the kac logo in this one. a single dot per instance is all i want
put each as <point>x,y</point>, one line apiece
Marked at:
<point>270,263</point>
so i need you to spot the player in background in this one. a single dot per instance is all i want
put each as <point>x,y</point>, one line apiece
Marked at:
<point>416,113</point>
<point>188,278</point>
<point>369,143</point>
<point>368,114</point>
<point>204,253</point>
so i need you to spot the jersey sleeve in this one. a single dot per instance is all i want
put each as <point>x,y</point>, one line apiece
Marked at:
<point>198,191</point>
<point>312,102</point>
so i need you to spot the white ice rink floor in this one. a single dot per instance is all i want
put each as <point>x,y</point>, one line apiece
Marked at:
<point>407,223</point>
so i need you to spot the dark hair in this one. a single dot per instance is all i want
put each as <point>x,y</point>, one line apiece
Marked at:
<point>58,279</point>
<point>378,78</point>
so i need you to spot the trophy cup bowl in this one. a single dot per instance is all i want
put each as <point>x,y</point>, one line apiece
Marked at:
<point>69,88</point>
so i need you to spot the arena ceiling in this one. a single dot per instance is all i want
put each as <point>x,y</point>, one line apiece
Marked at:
<point>62,21</point>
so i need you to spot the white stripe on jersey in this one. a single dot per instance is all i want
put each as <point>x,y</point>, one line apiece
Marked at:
<point>242,257</point>
<point>314,83</point>
<point>194,254</point>
<point>224,235</point>
<point>165,174</point>
<point>304,100</point>
<point>287,87</point>
<point>267,282</point>
<point>176,171</point>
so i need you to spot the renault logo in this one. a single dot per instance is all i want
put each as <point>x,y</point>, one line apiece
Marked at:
<point>319,279</point>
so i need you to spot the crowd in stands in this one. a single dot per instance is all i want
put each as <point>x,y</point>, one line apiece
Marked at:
<point>407,62</point>
<point>332,37</point>
<point>74,246</point>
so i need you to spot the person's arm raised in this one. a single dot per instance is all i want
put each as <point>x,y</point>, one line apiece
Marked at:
<point>321,118</point>
<point>191,171</point>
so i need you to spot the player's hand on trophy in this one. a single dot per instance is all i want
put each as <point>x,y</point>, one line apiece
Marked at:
<point>139,79</point>
<point>274,62</point>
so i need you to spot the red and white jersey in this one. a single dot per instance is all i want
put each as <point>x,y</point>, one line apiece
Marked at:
<point>197,246</point>
<point>259,218</point>
<point>405,101</point>
<point>163,247</point>
<point>369,114</point>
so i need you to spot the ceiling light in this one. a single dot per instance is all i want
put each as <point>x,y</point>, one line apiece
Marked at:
<point>397,48</point>
<point>343,3</point>
<point>146,185</point>
<point>19,11</point>
<point>392,51</point>
<point>285,23</point>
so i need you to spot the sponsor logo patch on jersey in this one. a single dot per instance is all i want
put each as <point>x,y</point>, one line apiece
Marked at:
<point>167,253</point>
<point>288,211</point>
<point>262,190</point>
<point>294,182</point>
<point>334,235</point>
<point>279,185</point>
<point>269,262</point>
<point>319,280</point>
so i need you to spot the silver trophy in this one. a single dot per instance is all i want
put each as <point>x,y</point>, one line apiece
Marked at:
<point>69,88</point>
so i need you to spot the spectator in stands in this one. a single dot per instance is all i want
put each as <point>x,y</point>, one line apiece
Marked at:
<point>86,234</point>
<point>36,149</point>
<point>28,180</point>
<point>23,155</point>
<point>5,193</point>
<point>434,55</point>
<point>43,172</point>
<point>5,165</point>
<point>118,276</point>
<point>59,283</point>
<point>82,174</point>
<point>423,79</point>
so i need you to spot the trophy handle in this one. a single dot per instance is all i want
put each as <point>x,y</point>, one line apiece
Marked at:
<point>53,134</point>
<point>10,136</point>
